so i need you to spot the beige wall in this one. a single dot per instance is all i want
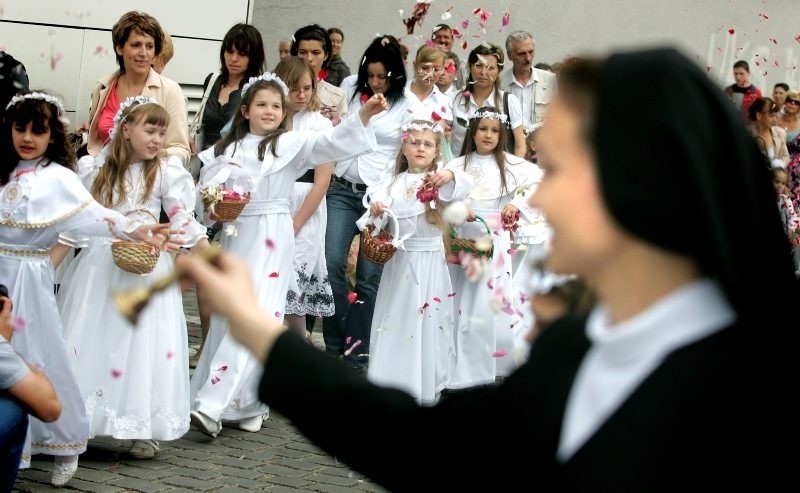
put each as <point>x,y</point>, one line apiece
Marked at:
<point>568,27</point>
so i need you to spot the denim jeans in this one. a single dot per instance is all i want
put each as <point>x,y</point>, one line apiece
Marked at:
<point>13,429</point>
<point>350,320</point>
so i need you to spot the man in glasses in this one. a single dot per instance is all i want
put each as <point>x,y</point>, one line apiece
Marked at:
<point>742,93</point>
<point>532,86</point>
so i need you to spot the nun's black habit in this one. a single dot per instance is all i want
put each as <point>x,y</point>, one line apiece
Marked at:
<point>686,177</point>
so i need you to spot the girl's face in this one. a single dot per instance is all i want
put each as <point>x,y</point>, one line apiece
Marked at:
<point>28,144</point>
<point>145,140</point>
<point>266,112</point>
<point>485,71</point>
<point>428,72</point>
<point>585,236</point>
<point>780,181</point>
<point>336,43</point>
<point>487,136</point>
<point>768,117</point>
<point>137,53</point>
<point>301,93</point>
<point>377,78</point>
<point>236,61</point>
<point>312,51</point>
<point>420,149</point>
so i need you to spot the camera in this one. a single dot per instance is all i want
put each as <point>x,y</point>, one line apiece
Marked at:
<point>3,292</point>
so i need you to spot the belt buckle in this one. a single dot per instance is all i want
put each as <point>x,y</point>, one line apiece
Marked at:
<point>354,187</point>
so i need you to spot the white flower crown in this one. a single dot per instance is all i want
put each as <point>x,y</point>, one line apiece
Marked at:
<point>267,76</point>
<point>421,127</point>
<point>533,128</point>
<point>133,100</point>
<point>477,115</point>
<point>40,96</point>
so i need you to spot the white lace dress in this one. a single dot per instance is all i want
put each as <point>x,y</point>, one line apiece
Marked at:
<point>37,204</point>
<point>134,381</point>
<point>411,341</point>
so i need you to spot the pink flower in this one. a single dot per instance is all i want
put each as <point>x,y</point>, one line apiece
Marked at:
<point>427,193</point>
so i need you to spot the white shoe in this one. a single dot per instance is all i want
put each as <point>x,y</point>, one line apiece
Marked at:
<point>205,424</point>
<point>253,424</point>
<point>144,449</point>
<point>63,469</point>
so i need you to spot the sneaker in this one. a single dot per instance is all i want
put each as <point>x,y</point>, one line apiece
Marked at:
<point>144,449</point>
<point>253,424</point>
<point>63,469</point>
<point>205,424</point>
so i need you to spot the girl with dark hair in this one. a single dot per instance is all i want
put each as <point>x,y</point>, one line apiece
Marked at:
<point>40,197</point>
<point>681,375</point>
<point>483,89</point>
<point>313,44</point>
<point>241,56</point>
<point>484,336</point>
<point>260,146</point>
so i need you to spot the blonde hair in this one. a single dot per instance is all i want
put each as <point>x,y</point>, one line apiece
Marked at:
<point>167,50</point>
<point>291,69</point>
<point>428,54</point>
<point>109,185</point>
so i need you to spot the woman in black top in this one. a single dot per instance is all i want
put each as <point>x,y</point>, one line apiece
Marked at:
<point>677,379</point>
<point>241,56</point>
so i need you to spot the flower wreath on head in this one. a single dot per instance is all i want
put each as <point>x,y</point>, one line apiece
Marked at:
<point>131,101</point>
<point>533,128</point>
<point>491,115</point>
<point>419,127</point>
<point>267,76</point>
<point>40,96</point>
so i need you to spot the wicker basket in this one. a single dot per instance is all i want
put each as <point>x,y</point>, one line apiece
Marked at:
<point>379,249</point>
<point>456,246</point>
<point>136,257</point>
<point>227,210</point>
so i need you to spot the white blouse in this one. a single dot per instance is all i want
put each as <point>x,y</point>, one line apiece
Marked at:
<point>622,356</point>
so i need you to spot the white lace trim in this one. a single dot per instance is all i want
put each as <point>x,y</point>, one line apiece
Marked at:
<point>136,426</point>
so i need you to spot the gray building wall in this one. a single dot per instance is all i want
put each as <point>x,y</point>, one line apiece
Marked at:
<point>568,27</point>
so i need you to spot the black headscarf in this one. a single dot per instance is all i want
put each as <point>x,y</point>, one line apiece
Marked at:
<point>686,176</point>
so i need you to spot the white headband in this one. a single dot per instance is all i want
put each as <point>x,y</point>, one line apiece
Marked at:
<point>40,96</point>
<point>533,128</point>
<point>133,100</point>
<point>421,127</point>
<point>477,115</point>
<point>268,76</point>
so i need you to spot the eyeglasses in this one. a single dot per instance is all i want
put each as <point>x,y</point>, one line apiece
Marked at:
<point>793,101</point>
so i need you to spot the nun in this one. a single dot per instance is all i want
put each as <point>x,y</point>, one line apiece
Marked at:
<point>673,382</point>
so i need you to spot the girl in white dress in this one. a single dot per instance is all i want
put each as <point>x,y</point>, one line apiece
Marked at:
<point>134,381</point>
<point>224,385</point>
<point>411,341</point>
<point>309,289</point>
<point>40,197</point>
<point>485,316</point>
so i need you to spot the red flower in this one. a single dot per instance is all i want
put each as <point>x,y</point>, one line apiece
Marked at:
<point>427,193</point>
<point>322,74</point>
<point>364,98</point>
<point>510,222</point>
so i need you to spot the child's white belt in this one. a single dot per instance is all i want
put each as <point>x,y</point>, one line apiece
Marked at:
<point>263,207</point>
<point>434,244</point>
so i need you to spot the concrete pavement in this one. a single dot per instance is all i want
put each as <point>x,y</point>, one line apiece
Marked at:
<point>278,459</point>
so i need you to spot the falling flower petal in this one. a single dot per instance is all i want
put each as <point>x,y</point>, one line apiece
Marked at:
<point>352,297</point>
<point>499,353</point>
<point>273,275</point>
<point>423,307</point>
<point>511,251</point>
<point>506,18</point>
<point>99,49</point>
<point>116,373</point>
<point>731,31</point>
<point>465,24</point>
<point>170,355</point>
<point>270,244</point>
<point>17,324</point>
<point>278,315</point>
<point>464,46</point>
<point>435,116</point>
<point>437,299</point>
<point>446,16</point>
<point>215,380</point>
<point>222,368</point>
<point>54,59</point>
<point>450,295</point>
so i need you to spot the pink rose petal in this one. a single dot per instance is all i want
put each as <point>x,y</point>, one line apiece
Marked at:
<point>273,275</point>
<point>215,380</point>
<point>351,348</point>
<point>270,244</point>
<point>278,315</point>
<point>170,355</point>
<point>499,353</point>
<point>116,373</point>
<point>352,297</point>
